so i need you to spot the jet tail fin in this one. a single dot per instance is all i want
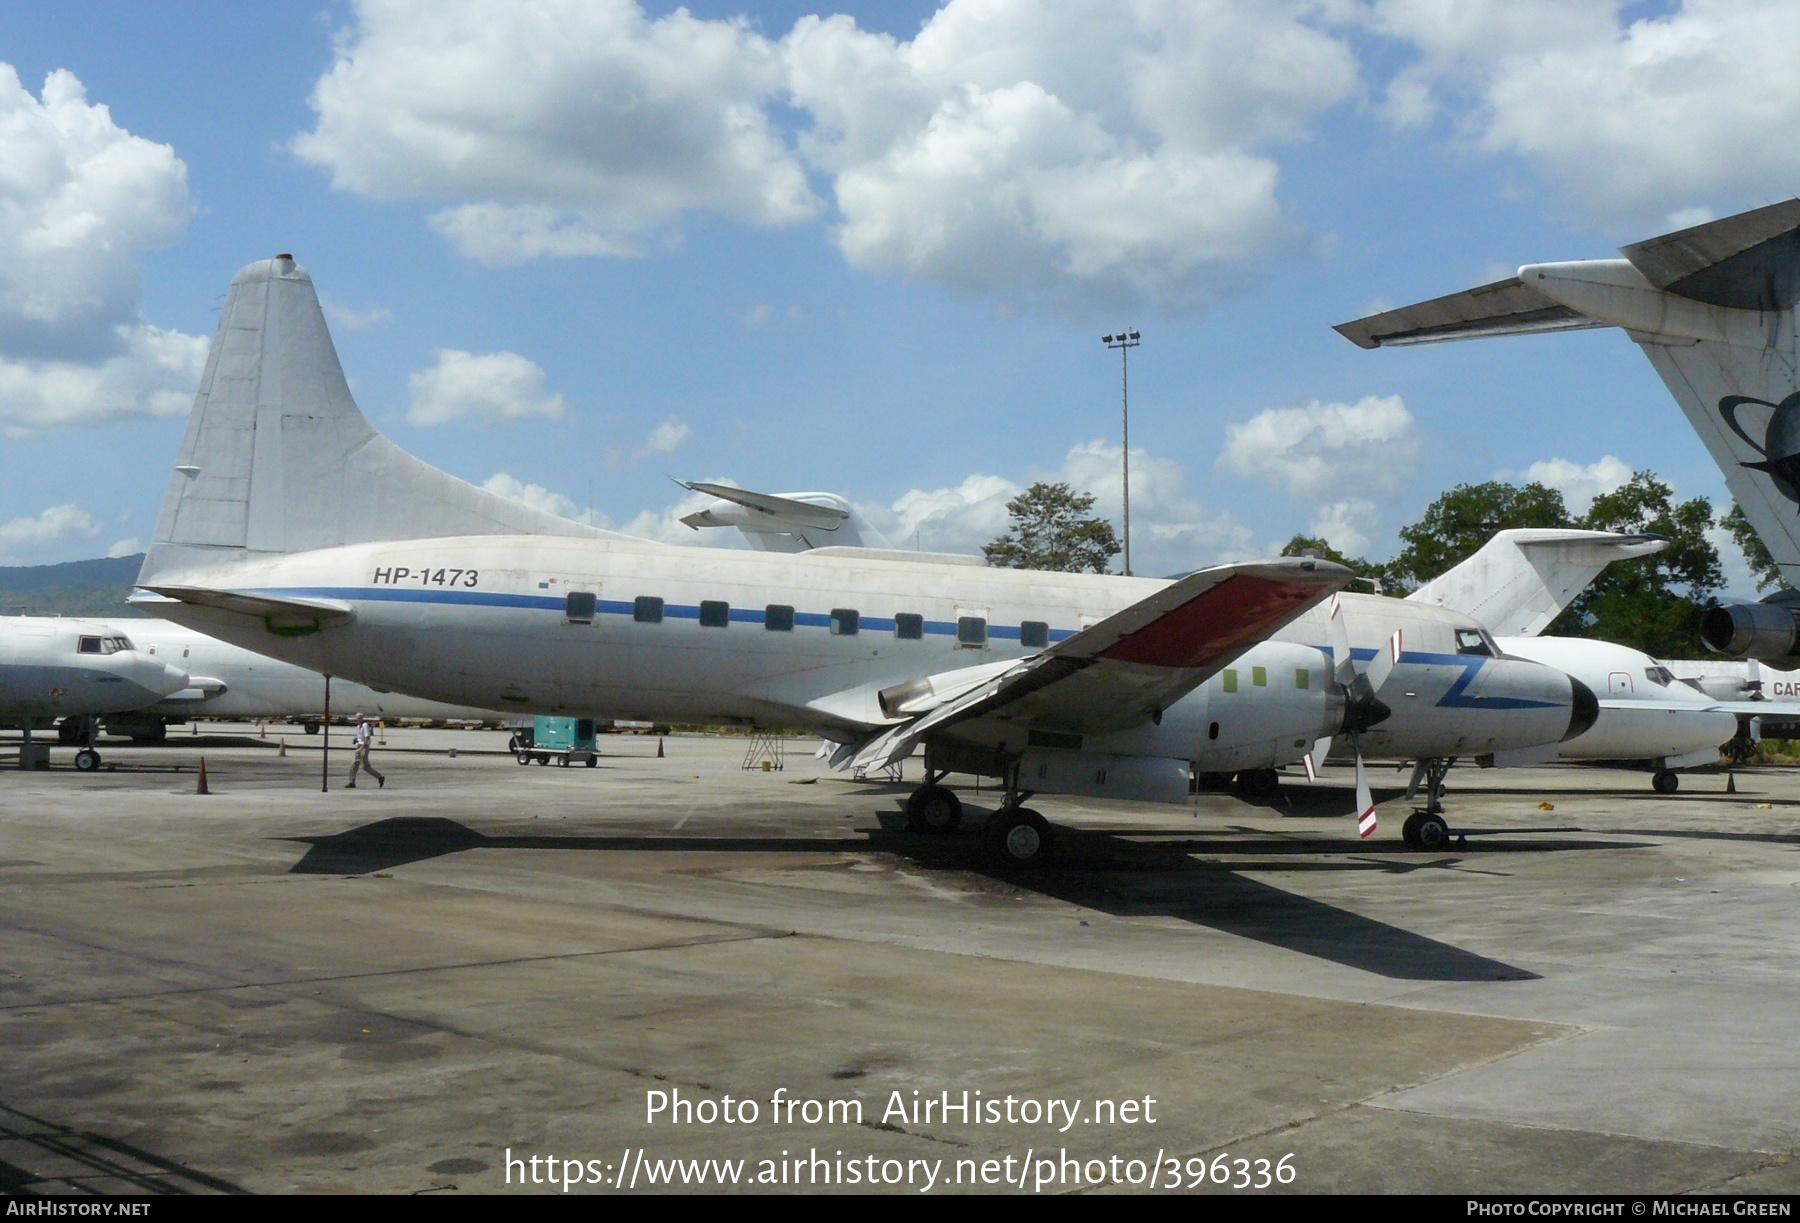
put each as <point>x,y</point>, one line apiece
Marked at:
<point>1520,580</point>
<point>1712,306</point>
<point>277,457</point>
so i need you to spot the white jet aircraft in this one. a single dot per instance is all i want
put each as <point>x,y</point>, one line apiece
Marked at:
<point>227,681</point>
<point>53,667</point>
<point>290,527</point>
<point>1713,307</point>
<point>1521,580</point>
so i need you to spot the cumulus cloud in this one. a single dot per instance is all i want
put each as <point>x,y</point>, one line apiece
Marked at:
<point>81,199</point>
<point>1069,155</point>
<point>1579,485</point>
<point>665,438</point>
<point>349,318</point>
<point>28,537</point>
<point>1346,525</point>
<point>494,387</point>
<point>569,127</point>
<point>1633,122</point>
<point>1322,450</point>
<point>129,546</point>
<point>1169,531</point>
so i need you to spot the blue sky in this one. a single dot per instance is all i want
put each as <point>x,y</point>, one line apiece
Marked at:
<point>571,248</point>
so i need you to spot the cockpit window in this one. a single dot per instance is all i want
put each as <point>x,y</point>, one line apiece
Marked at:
<point>1662,677</point>
<point>122,643</point>
<point>88,645</point>
<point>1473,641</point>
<point>101,645</point>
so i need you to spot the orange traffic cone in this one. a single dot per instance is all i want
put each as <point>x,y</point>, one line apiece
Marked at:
<point>200,788</point>
<point>659,751</point>
<point>262,730</point>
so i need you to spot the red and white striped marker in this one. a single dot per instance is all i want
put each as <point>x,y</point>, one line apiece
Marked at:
<point>1365,824</point>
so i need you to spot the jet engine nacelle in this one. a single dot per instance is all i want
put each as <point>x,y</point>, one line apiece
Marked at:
<point>1763,631</point>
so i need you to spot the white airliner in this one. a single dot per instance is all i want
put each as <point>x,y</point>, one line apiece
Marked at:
<point>227,681</point>
<point>1713,307</point>
<point>53,667</point>
<point>292,528</point>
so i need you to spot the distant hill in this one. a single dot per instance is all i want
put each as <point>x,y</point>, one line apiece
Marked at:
<point>73,588</point>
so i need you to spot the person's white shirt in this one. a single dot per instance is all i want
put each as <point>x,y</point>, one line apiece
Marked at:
<point>364,733</point>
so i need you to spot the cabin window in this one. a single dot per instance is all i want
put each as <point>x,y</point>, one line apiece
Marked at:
<point>971,631</point>
<point>714,613</point>
<point>908,626</point>
<point>1302,678</point>
<point>579,606</point>
<point>844,621</point>
<point>1473,641</point>
<point>1034,634</point>
<point>1259,676</point>
<point>778,618</point>
<point>1212,731</point>
<point>647,609</point>
<point>88,645</point>
<point>1230,680</point>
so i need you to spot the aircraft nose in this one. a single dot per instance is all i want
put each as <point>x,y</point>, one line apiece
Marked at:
<point>1584,709</point>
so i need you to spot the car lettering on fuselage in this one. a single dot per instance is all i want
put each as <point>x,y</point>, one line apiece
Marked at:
<point>395,575</point>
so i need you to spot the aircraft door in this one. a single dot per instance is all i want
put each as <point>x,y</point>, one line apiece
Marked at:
<point>1618,684</point>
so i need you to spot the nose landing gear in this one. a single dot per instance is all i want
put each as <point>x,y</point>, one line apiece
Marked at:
<point>1427,828</point>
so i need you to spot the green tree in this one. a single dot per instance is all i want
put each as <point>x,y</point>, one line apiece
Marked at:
<point>1052,529</point>
<point>1456,525</point>
<point>1652,604</point>
<point>1756,553</point>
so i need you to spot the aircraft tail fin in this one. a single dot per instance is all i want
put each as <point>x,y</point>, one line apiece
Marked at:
<point>1521,580</point>
<point>277,457</point>
<point>1712,306</point>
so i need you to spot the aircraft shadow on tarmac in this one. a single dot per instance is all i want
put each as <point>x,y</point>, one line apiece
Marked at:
<point>1158,875</point>
<point>84,1162</point>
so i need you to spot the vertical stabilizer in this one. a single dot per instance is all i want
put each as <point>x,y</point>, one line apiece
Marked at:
<point>1521,580</point>
<point>277,458</point>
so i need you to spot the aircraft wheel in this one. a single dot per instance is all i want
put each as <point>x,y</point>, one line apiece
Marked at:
<point>933,809</point>
<point>1433,833</point>
<point>1021,837</point>
<point>1409,831</point>
<point>87,760</point>
<point>1258,783</point>
<point>1665,782</point>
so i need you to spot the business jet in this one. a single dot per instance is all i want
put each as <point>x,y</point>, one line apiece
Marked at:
<point>53,668</point>
<point>291,528</point>
<point>1713,307</point>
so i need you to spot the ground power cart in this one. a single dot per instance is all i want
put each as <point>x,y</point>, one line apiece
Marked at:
<point>564,740</point>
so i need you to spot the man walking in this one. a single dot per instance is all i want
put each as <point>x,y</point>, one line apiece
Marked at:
<point>361,741</point>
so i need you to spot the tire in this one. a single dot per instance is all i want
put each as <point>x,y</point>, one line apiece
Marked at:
<point>543,759</point>
<point>524,757</point>
<point>1020,837</point>
<point>562,762</point>
<point>1433,833</point>
<point>1259,783</point>
<point>593,762</point>
<point>1409,831</point>
<point>1665,782</point>
<point>312,728</point>
<point>87,760</point>
<point>934,810</point>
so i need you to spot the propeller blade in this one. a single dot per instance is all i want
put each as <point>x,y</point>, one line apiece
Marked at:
<point>1315,759</point>
<point>1753,679</point>
<point>1343,670</point>
<point>1385,661</point>
<point>1365,801</point>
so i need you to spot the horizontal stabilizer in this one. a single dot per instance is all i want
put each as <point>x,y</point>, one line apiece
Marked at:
<point>282,613</point>
<point>781,510</point>
<point>1750,261</point>
<point>1506,307</point>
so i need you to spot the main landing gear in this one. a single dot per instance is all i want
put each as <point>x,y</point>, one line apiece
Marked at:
<point>1017,835</point>
<point>1426,828</point>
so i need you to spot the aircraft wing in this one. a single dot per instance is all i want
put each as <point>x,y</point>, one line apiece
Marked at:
<point>281,611</point>
<point>1780,711</point>
<point>1127,668</point>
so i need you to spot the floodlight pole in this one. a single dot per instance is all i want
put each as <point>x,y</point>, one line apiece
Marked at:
<point>1125,341</point>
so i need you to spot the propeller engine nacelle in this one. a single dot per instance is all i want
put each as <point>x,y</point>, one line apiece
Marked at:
<point>1767,632</point>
